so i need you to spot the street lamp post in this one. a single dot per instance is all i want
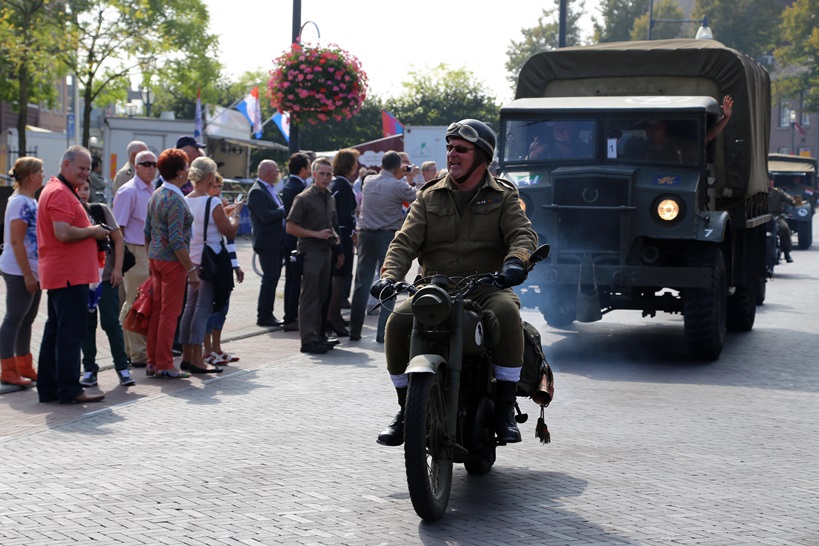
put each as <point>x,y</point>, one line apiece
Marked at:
<point>146,99</point>
<point>148,65</point>
<point>793,135</point>
<point>703,33</point>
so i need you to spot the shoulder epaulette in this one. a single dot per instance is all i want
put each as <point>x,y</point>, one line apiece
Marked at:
<point>507,183</point>
<point>431,182</point>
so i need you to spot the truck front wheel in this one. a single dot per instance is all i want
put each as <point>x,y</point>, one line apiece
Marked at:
<point>704,308</point>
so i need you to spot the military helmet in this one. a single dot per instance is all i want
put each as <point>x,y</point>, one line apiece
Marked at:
<point>475,131</point>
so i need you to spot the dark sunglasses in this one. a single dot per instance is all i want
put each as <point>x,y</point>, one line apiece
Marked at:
<point>459,149</point>
<point>149,164</point>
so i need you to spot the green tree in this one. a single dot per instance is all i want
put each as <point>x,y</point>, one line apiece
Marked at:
<point>747,25</point>
<point>441,95</point>
<point>166,41</point>
<point>334,135</point>
<point>618,18</point>
<point>543,37</point>
<point>29,55</point>
<point>663,9</point>
<point>800,36</point>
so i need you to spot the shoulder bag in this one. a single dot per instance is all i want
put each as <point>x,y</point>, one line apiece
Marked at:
<point>139,315</point>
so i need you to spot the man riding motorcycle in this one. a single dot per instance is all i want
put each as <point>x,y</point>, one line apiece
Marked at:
<point>464,223</point>
<point>777,197</point>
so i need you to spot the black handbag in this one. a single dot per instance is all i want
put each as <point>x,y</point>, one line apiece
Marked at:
<point>213,263</point>
<point>98,214</point>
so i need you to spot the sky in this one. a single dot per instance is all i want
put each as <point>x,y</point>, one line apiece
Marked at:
<point>390,38</point>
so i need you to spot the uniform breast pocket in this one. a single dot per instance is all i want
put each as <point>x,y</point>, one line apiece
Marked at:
<point>485,219</point>
<point>442,226</point>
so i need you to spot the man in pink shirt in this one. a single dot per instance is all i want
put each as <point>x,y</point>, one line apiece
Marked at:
<point>67,244</point>
<point>130,209</point>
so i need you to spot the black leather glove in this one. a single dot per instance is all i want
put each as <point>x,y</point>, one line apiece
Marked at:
<point>512,273</point>
<point>383,288</point>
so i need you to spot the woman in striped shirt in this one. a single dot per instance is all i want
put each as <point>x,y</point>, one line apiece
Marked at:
<point>168,238</point>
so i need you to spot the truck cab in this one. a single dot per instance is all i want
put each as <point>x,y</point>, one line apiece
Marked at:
<point>642,207</point>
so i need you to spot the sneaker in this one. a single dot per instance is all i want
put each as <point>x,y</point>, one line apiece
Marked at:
<point>214,360</point>
<point>89,379</point>
<point>125,378</point>
<point>228,358</point>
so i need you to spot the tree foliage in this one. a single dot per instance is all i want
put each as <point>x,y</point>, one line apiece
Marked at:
<point>663,9</point>
<point>800,52</point>
<point>163,40</point>
<point>441,95</point>
<point>543,37</point>
<point>618,18</point>
<point>29,55</point>
<point>746,25</point>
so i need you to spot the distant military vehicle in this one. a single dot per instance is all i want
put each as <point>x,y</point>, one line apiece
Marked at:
<point>796,175</point>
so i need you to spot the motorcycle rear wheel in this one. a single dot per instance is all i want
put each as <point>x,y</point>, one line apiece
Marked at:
<point>427,456</point>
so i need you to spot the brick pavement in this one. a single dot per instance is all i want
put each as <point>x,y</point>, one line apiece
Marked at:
<point>650,449</point>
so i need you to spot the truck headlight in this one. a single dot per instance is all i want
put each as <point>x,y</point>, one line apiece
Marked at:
<point>668,209</point>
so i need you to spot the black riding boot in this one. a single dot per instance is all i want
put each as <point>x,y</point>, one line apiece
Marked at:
<point>393,435</point>
<point>505,424</point>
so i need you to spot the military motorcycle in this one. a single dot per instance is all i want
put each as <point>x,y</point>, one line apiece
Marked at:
<point>449,415</point>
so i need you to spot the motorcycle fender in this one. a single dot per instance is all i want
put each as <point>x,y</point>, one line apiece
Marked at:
<point>425,363</point>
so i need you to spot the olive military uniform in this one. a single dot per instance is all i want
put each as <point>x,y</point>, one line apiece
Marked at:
<point>315,210</point>
<point>457,234</point>
<point>777,197</point>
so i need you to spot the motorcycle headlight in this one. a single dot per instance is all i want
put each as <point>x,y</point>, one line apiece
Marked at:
<point>431,305</point>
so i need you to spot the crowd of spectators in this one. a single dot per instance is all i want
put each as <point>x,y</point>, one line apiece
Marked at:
<point>167,214</point>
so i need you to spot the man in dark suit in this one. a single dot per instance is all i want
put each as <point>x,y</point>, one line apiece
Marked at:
<point>267,216</point>
<point>299,167</point>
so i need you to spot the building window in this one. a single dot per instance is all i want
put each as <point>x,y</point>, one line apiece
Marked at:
<point>805,119</point>
<point>784,113</point>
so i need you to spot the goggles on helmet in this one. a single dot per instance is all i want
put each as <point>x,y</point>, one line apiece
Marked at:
<point>466,132</point>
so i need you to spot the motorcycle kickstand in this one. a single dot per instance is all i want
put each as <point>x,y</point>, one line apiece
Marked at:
<point>520,417</point>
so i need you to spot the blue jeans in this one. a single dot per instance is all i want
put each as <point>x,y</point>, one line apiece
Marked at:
<point>198,307</point>
<point>58,371</point>
<point>372,249</point>
<point>108,310</point>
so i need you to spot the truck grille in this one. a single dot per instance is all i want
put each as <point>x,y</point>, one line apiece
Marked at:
<point>590,229</point>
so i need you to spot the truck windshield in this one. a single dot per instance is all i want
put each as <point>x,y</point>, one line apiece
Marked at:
<point>553,140</point>
<point>653,140</point>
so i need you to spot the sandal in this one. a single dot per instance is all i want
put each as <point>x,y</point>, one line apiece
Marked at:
<point>171,374</point>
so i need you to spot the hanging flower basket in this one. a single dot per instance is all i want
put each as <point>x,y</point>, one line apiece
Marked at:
<point>317,83</point>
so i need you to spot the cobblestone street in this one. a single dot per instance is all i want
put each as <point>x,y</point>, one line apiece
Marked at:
<point>647,446</point>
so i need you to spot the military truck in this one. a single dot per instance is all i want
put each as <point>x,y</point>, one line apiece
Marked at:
<point>796,175</point>
<point>614,151</point>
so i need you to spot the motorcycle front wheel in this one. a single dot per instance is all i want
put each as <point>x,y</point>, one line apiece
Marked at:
<point>427,455</point>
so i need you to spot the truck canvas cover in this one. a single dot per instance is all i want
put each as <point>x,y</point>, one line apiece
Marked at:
<point>669,67</point>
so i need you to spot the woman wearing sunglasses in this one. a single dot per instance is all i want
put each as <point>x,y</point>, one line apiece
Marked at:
<point>467,222</point>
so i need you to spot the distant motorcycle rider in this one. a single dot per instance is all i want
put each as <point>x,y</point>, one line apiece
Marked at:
<point>777,197</point>
<point>461,224</point>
